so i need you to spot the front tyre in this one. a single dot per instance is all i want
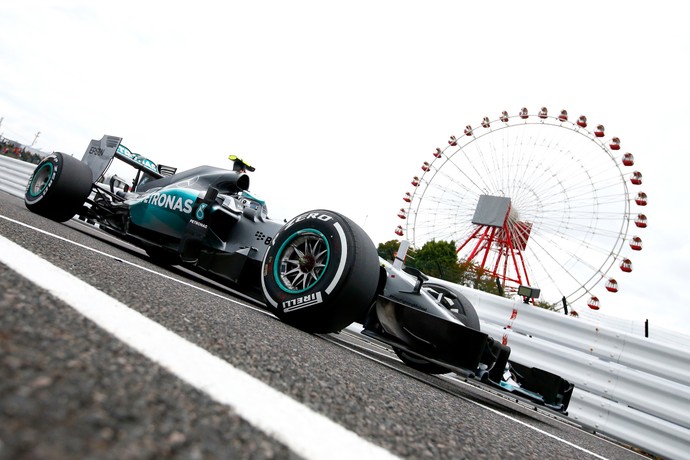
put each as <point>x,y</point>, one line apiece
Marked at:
<point>321,272</point>
<point>58,187</point>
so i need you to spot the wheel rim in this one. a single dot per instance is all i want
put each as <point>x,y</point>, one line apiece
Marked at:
<point>301,261</point>
<point>40,179</point>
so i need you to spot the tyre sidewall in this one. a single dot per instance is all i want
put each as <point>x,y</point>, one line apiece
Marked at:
<point>345,288</point>
<point>51,161</point>
<point>65,191</point>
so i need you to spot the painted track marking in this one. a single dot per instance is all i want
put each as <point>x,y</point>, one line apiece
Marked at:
<point>305,432</point>
<point>262,311</point>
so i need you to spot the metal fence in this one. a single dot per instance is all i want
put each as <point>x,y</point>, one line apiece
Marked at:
<point>14,174</point>
<point>627,386</point>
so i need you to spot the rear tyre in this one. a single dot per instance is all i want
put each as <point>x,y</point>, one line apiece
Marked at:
<point>58,187</point>
<point>321,272</point>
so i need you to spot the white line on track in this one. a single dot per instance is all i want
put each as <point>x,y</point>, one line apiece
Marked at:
<point>309,436</point>
<point>305,432</point>
<point>105,254</point>
<point>357,332</point>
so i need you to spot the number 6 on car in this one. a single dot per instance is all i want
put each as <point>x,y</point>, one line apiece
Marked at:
<point>319,272</point>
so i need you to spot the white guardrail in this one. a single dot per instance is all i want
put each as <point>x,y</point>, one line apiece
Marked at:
<point>628,387</point>
<point>14,174</point>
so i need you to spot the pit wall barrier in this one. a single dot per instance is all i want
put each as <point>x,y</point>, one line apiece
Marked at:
<point>628,387</point>
<point>14,174</point>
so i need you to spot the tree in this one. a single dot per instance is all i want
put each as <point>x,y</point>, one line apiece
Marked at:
<point>388,250</point>
<point>438,259</point>
<point>477,277</point>
<point>545,305</point>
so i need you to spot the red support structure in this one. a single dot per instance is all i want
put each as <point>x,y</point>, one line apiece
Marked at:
<point>507,242</point>
<point>477,247</point>
<point>473,235</point>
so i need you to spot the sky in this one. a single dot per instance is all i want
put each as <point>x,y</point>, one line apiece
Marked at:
<point>337,104</point>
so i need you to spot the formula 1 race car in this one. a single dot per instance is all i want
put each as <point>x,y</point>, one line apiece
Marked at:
<point>319,271</point>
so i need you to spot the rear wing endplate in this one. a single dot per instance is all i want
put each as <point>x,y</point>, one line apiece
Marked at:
<point>100,153</point>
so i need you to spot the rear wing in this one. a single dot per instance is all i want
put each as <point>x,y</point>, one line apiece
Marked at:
<point>100,153</point>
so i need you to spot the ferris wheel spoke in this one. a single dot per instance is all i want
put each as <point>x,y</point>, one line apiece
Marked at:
<point>556,187</point>
<point>581,281</point>
<point>476,180</point>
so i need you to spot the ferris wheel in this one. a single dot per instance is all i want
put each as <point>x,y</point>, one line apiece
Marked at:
<point>533,200</point>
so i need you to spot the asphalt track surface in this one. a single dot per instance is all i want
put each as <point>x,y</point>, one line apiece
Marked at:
<point>71,389</point>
